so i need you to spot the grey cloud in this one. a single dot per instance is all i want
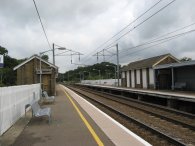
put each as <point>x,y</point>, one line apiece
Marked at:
<point>84,25</point>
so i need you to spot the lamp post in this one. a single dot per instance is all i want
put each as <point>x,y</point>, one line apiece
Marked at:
<point>53,50</point>
<point>117,56</point>
<point>114,73</point>
<point>40,54</point>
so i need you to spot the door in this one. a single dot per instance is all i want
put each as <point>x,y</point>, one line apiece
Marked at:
<point>46,81</point>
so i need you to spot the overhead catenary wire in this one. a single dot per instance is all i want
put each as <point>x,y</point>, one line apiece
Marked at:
<point>67,50</point>
<point>162,41</point>
<point>141,15</point>
<point>178,29</point>
<point>130,23</point>
<point>139,24</point>
<point>72,52</point>
<point>42,24</point>
<point>164,37</point>
<point>157,40</point>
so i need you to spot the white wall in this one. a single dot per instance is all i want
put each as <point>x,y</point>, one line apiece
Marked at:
<point>110,82</point>
<point>132,79</point>
<point>144,78</point>
<point>151,76</point>
<point>128,83</point>
<point>12,103</point>
<point>138,76</point>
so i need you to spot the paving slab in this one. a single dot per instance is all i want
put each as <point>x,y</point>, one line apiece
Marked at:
<point>66,128</point>
<point>117,133</point>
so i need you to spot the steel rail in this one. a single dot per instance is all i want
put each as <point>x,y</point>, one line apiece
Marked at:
<point>144,110</point>
<point>141,124</point>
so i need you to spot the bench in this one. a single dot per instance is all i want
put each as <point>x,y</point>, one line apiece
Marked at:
<point>41,112</point>
<point>26,106</point>
<point>180,85</point>
<point>48,98</point>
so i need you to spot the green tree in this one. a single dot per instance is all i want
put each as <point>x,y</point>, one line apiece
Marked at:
<point>45,57</point>
<point>7,75</point>
<point>83,72</point>
<point>3,51</point>
<point>185,59</point>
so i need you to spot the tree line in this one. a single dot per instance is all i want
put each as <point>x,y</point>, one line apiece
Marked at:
<point>104,70</point>
<point>7,75</point>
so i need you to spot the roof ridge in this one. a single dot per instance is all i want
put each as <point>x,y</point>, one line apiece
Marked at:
<point>32,57</point>
<point>150,58</point>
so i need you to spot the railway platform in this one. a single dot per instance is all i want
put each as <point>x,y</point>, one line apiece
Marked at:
<point>76,122</point>
<point>180,95</point>
<point>179,100</point>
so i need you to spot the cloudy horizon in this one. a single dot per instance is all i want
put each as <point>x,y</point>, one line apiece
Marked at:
<point>84,25</point>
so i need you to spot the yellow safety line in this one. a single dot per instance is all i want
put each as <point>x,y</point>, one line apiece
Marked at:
<point>97,139</point>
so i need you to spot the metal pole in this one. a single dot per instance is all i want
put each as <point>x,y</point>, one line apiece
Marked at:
<point>54,64</point>
<point>117,54</point>
<point>115,75</point>
<point>68,76</point>
<point>103,55</point>
<point>53,54</point>
<point>40,71</point>
<point>99,76</point>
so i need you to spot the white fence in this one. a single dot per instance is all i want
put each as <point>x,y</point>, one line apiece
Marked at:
<point>12,103</point>
<point>110,82</point>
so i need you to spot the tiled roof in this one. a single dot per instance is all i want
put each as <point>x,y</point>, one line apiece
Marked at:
<point>145,63</point>
<point>32,57</point>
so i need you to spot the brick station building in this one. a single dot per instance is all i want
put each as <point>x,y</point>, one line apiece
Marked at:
<point>28,72</point>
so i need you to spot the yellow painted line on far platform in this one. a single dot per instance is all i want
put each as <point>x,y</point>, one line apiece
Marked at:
<point>95,136</point>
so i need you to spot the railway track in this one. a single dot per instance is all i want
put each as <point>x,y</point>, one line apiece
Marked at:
<point>177,117</point>
<point>125,110</point>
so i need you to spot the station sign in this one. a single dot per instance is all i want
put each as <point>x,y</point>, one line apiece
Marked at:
<point>1,61</point>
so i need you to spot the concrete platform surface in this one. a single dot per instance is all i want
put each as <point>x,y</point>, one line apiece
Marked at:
<point>66,129</point>
<point>117,133</point>
<point>180,95</point>
<point>75,122</point>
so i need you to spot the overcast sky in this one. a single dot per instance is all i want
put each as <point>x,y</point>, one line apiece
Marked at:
<point>83,25</point>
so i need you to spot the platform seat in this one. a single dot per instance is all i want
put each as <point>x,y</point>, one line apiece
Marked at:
<point>41,112</point>
<point>47,98</point>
